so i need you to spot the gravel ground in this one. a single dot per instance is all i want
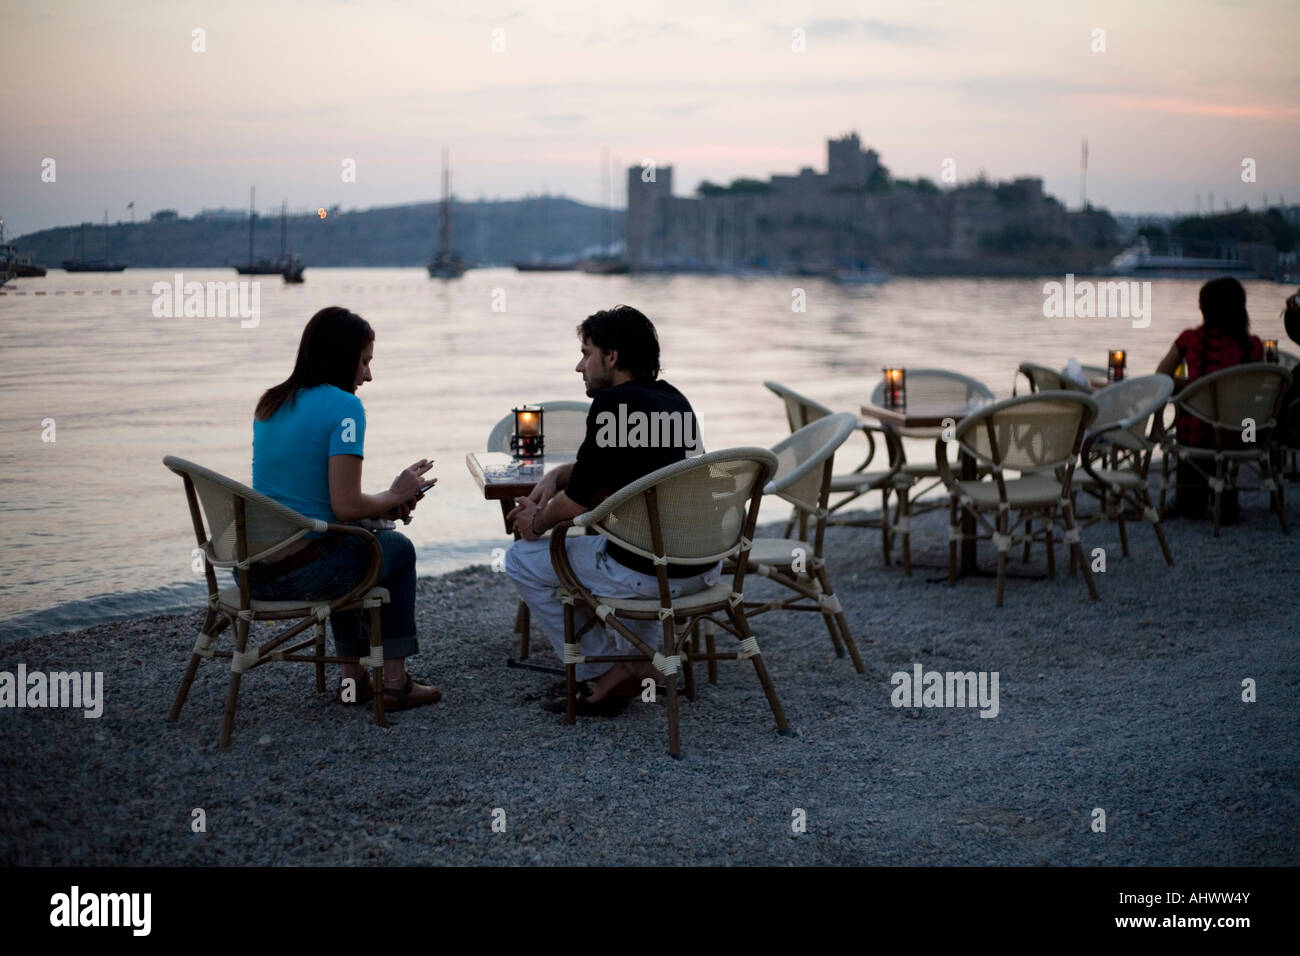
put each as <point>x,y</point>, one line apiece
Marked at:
<point>1132,704</point>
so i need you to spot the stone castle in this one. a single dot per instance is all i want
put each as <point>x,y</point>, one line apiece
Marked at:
<point>854,215</point>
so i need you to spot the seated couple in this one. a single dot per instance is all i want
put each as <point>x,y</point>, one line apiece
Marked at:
<point>308,447</point>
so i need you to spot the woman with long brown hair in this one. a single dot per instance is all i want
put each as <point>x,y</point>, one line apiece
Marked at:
<point>1221,341</point>
<point>308,440</point>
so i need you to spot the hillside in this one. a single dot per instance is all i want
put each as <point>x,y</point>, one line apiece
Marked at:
<point>486,233</point>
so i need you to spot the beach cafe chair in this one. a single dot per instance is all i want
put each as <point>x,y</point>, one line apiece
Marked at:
<point>1037,436</point>
<point>1116,455</point>
<point>696,511</point>
<point>1231,401</point>
<point>564,423</point>
<point>243,526</point>
<point>1043,379</point>
<point>929,388</point>
<point>850,486</point>
<point>803,478</point>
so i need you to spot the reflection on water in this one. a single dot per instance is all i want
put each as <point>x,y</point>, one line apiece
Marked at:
<point>95,511</point>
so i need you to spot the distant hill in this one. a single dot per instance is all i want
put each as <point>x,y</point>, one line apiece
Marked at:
<point>486,233</point>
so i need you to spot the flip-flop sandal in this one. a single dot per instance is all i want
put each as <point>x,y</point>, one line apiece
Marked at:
<point>608,706</point>
<point>401,697</point>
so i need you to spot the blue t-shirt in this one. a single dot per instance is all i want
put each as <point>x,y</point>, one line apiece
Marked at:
<point>292,448</point>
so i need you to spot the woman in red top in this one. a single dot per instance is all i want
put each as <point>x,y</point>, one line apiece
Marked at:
<point>1221,341</point>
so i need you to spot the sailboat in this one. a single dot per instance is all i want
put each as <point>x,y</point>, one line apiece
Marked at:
<point>446,264</point>
<point>82,264</point>
<point>12,264</point>
<point>290,265</point>
<point>259,267</point>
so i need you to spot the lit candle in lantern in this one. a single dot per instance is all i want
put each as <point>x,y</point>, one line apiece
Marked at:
<point>527,441</point>
<point>895,388</point>
<point>1270,351</point>
<point>1115,365</point>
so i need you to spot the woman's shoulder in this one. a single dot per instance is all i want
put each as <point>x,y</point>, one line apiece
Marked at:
<point>330,398</point>
<point>1188,337</point>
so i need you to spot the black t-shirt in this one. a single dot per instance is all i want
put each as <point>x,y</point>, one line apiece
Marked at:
<point>633,429</point>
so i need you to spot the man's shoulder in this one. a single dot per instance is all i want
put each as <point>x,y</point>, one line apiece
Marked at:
<point>657,394</point>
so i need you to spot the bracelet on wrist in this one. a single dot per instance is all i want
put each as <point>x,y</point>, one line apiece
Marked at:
<point>532,525</point>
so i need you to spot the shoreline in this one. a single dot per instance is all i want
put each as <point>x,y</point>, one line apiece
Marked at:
<point>1131,704</point>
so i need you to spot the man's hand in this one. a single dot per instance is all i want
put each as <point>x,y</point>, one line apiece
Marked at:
<point>544,490</point>
<point>522,515</point>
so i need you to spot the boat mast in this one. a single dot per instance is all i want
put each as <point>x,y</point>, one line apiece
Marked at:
<point>446,208</point>
<point>108,255</point>
<point>284,228</point>
<point>252,193</point>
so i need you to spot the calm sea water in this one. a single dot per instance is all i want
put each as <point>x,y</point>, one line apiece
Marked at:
<point>94,527</point>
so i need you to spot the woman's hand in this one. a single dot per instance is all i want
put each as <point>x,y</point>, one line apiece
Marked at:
<point>406,486</point>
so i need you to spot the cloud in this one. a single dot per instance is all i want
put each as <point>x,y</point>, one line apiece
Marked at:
<point>881,30</point>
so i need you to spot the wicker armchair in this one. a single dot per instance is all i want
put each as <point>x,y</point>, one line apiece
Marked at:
<point>1116,455</point>
<point>1038,436</point>
<point>244,526</point>
<point>1226,401</point>
<point>696,512</point>
<point>850,486</point>
<point>803,478</point>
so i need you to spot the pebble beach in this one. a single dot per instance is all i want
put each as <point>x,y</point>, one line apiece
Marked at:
<point>1131,705</point>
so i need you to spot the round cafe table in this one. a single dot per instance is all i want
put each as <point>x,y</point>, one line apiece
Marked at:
<point>919,416</point>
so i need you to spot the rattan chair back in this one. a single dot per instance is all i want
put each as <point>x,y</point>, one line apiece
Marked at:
<point>564,425</point>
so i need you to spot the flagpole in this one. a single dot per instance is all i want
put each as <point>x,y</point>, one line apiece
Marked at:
<point>1083,177</point>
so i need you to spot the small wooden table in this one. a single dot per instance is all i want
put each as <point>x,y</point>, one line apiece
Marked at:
<point>507,491</point>
<point>917,416</point>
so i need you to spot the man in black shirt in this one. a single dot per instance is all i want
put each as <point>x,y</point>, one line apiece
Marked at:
<point>637,424</point>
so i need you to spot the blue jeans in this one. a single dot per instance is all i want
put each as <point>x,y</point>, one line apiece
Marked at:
<point>341,566</point>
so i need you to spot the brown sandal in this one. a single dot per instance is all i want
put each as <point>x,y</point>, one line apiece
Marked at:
<point>400,697</point>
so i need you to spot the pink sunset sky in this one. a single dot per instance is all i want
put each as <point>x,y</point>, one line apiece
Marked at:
<point>286,90</point>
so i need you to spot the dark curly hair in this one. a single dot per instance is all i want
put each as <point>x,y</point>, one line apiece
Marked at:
<point>628,332</point>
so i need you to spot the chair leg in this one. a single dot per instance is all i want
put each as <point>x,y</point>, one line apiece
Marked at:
<point>1077,547</point>
<point>1219,472</point>
<point>789,525</point>
<point>1049,542</point>
<point>709,628</point>
<point>377,673</point>
<point>1275,492</point>
<point>320,653</point>
<point>525,622</point>
<point>191,669</point>
<point>1002,557</point>
<point>674,730</point>
<point>1029,540</point>
<point>689,644</point>
<point>886,539</point>
<point>953,527</point>
<point>1123,533</point>
<point>1145,502</point>
<point>570,670</point>
<point>232,695</point>
<point>742,625</point>
<point>905,506</point>
<point>837,620</point>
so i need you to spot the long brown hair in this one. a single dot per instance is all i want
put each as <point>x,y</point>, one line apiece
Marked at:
<point>328,354</point>
<point>1223,307</point>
